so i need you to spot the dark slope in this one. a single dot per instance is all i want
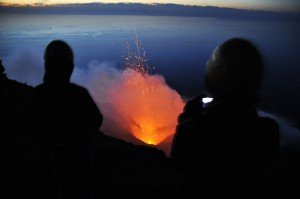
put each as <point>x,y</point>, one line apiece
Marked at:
<point>121,169</point>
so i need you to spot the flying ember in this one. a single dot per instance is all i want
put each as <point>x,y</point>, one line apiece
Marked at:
<point>151,107</point>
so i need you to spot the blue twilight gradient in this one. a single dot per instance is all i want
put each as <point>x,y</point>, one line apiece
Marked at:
<point>178,47</point>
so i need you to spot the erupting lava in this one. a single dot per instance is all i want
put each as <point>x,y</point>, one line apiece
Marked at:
<point>152,107</point>
<point>146,103</point>
<point>133,101</point>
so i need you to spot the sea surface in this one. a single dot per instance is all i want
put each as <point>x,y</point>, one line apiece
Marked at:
<point>177,48</point>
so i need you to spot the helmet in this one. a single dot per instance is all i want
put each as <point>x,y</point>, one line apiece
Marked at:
<point>234,70</point>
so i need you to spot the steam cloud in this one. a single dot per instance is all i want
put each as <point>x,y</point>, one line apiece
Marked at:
<point>104,81</point>
<point>142,104</point>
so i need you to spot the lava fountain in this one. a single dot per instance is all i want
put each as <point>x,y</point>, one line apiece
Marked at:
<point>147,105</point>
<point>134,102</point>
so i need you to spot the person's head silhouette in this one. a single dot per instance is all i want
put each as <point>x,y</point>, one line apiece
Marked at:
<point>58,60</point>
<point>234,71</point>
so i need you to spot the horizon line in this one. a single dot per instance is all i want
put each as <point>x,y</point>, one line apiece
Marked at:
<point>45,5</point>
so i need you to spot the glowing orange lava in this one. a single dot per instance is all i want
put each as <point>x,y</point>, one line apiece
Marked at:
<point>147,104</point>
<point>154,107</point>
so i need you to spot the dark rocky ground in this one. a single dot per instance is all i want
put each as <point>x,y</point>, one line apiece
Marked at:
<point>119,169</point>
<point>123,170</point>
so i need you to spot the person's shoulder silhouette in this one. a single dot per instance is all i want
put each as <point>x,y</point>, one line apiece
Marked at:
<point>60,112</point>
<point>225,138</point>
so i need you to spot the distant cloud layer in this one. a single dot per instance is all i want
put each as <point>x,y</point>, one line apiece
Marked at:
<point>146,9</point>
<point>275,5</point>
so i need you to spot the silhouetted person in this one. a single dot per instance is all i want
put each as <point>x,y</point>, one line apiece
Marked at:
<point>224,145</point>
<point>1,68</point>
<point>61,117</point>
<point>4,117</point>
<point>13,97</point>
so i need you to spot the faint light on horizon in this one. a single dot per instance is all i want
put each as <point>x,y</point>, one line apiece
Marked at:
<point>271,5</point>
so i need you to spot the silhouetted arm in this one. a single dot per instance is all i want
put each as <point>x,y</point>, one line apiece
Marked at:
<point>178,150</point>
<point>94,115</point>
<point>191,108</point>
